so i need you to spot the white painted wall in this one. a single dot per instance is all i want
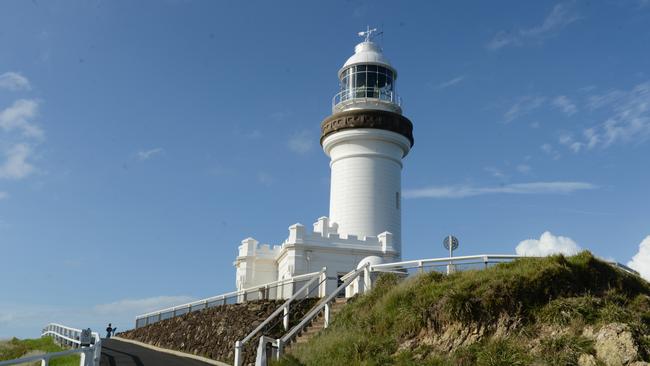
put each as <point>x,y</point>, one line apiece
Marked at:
<point>365,191</point>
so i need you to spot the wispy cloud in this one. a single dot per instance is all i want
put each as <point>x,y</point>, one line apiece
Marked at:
<point>139,306</point>
<point>301,142</point>
<point>3,195</point>
<point>628,120</point>
<point>452,82</point>
<point>561,16</point>
<point>548,244</point>
<point>16,165</point>
<point>14,81</point>
<point>495,172</point>
<point>524,105</point>
<point>26,320</point>
<point>563,103</point>
<point>148,154</point>
<point>19,116</point>
<point>548,149</point>
<point>524,168</point>
<point>265,178</point>
<point>462,191</point>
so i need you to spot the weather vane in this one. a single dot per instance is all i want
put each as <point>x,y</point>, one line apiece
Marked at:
<point>368,33</point>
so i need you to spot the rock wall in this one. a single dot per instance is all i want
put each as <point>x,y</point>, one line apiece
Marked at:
<point>212,333</point>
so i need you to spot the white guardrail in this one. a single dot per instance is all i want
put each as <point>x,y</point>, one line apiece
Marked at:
<point>89,353</point>
<point>315,287</point>
<point>276,290</point>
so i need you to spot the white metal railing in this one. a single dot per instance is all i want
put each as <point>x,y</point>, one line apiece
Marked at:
<point>365,94</point>
<point>319,278</point>
<point>453,264</point>
<point>275,290</point>
<point>324,306</point>
<point>90,353</point>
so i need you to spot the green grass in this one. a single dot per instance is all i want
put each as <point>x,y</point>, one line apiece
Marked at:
<point>16,348</point>
<point>565,291</point>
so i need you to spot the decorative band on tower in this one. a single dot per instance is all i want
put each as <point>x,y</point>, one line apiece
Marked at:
<point>367,118</point>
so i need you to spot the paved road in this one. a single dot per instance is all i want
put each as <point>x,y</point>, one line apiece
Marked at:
<point>116,353</point>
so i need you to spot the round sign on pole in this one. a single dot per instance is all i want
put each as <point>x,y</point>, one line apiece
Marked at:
<point>450,241</point>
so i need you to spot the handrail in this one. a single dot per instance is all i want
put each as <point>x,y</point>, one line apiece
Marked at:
<point>442,260</point>
<point>484,258</point>
<point>53,329</point>
<point>281,309</point>
<point>317,309</point>
<point>225,295</point>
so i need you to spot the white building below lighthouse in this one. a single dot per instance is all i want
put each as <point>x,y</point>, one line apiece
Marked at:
<point>366,138</point>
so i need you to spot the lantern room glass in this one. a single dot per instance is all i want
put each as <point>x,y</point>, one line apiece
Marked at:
<point>367,81</point>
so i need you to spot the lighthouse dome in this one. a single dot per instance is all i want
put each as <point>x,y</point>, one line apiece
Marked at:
<point>367,53</point>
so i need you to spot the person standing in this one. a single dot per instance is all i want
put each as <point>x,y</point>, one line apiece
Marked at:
<point>109,330</point>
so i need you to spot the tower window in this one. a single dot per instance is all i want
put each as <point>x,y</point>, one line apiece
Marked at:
<point>397,200</point>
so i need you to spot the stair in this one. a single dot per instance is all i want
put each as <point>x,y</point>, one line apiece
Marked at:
<point>318,323</point>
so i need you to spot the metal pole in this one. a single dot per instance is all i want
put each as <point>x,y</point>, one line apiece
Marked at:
<point>285,320</point>
<point>238,360</point>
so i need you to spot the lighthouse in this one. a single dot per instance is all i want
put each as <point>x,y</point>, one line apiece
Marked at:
<point>366,138</point>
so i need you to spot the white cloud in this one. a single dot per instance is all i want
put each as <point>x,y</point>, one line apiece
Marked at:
<point>3,195</point>
<point>451,82</point>
<point>461,191</point>
<point>641,260</point>
<point>548,244</point>
<point>148,154</point>
<point>16,165</point>
<point>561,16</point>
<point>18,117</point>
<point>14,81</point>
<point>523,106</point>
<point>301,142</point>
<point>564,103</point>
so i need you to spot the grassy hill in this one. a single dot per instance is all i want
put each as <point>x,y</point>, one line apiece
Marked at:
<point>17,348</point>
<point>537,311</point>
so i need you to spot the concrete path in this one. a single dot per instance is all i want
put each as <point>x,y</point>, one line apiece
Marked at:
<point>118,353</point>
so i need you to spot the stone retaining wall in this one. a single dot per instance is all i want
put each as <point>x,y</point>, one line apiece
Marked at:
<point>212,332</point>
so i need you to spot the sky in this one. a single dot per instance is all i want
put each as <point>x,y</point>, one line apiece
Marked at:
<point>140,142</point>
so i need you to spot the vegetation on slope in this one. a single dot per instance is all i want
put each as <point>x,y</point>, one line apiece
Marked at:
<point>541,311</point>
<point>17,348</point>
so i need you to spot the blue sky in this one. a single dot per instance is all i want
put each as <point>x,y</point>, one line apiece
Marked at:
<point>140,142</point>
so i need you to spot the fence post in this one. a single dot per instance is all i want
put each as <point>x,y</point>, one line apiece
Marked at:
<point>238,360</point>
<point>322,292</point>
<point>285,319</point>
<point>327,315</point>
<point>420,267</point>
<point>82,359</point>
<point>280,346</point>
<point>367,281</point>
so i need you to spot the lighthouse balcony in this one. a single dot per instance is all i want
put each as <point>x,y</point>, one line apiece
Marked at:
<point>366,98</point>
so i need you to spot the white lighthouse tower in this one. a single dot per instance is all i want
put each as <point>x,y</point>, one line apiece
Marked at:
<point>366,138</point>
